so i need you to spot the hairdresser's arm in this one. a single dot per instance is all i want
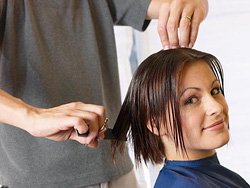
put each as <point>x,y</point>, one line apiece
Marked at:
<point>54,123</point>
<point>171,15</point>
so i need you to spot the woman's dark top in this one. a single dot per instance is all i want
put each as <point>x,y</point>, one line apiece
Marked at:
<point>201,173</point>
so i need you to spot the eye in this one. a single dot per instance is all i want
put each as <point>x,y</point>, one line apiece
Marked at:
<point>191,100</point>
<point>216,91</point>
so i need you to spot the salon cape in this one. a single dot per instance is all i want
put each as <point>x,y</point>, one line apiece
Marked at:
<point>203,173</point>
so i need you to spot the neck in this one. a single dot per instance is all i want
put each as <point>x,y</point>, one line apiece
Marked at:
<point>174,154</point>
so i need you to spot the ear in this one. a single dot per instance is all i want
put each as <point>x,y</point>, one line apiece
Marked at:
<point>153,128</point>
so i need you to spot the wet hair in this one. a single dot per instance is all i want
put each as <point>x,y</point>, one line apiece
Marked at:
<point>152,93</point>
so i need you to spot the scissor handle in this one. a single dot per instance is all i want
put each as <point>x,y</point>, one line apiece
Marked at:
<point>82,135</point>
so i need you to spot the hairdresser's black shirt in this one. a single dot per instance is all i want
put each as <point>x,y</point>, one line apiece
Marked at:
<point>207,173</point>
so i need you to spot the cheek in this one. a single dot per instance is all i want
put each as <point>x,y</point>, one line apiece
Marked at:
<point>192,119</point>
<point>191,126</point>
<point>223,102</point>
<point>226,116</point>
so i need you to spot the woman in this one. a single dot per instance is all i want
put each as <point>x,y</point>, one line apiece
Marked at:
<point>175,110</point>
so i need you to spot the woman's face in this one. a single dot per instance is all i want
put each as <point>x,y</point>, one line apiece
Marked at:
<point>203,109</point>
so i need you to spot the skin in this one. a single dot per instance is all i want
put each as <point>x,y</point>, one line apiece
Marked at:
<point>58,123</point>
<point>170,12</point>
<point>204,114</point>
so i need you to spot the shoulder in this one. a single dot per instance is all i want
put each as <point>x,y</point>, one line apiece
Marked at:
<point>176,178</point>
<point>206,176</point>
<point>230,177</point>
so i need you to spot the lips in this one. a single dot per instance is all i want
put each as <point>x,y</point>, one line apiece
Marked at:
<point>215,126</point>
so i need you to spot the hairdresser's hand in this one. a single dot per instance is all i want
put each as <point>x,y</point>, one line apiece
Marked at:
<point>58,123</point>
<point>173,14</point>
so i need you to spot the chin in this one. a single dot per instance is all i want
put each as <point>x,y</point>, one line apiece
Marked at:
<point>216,141</point>
<point>223,140</point>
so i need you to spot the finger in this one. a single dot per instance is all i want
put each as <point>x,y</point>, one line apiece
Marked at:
<point>101,136</point>
<point>85,121</point>
<point>173,24</point>
<point>98,112</point>
<point>79,124</point>
<point>93,144</point>
<point>97,109</point>
<point>79,120</point>
<point>92,120</point>
<point>162,26</point>
<point>103,121</point>
<point>196,20</point>
<point>66,123</point>
<point>185,23</point>
<point>82,140</point>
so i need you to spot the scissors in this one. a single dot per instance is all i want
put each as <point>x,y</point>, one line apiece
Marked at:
<point>109,135</point>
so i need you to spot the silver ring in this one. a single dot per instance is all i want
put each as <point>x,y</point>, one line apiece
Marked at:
<point>104,126</point>
<point>188,17</point>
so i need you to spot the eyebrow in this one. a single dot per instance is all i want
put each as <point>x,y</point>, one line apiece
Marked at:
<point>196,88</point>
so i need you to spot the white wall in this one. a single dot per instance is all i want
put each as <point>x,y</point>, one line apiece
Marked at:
<point>226,34</point>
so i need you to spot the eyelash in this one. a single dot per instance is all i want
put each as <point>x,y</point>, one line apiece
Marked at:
<point>217,88</point>
<point>189,102</point>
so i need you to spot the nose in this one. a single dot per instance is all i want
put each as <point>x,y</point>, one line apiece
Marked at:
<point>213,107</point>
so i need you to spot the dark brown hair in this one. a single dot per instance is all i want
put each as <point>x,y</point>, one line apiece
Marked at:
<point>152,93</point>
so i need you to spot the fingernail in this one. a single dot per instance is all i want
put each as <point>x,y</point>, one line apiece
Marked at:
<point>190,45</point>
<point>166,47</point>
<point>174,47</point>
<point>183,46</point>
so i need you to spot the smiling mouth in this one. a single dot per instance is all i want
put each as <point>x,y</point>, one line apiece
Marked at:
<point>215,126</point>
